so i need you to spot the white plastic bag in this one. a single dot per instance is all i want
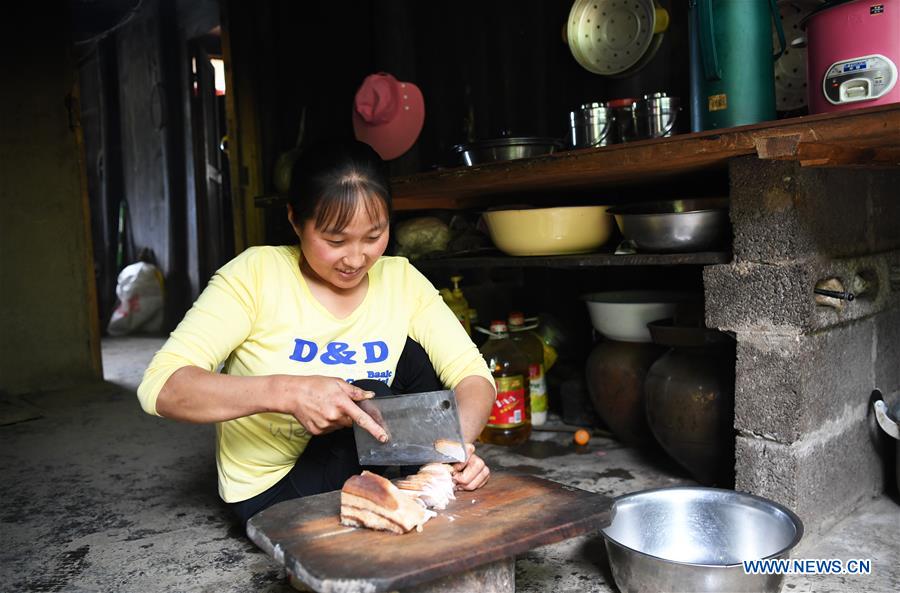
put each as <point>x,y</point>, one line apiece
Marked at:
<point>140,306</point>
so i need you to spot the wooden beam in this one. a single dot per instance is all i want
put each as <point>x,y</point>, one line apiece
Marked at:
<point>575,262</point>
<point>876,128</point>
<point>814,154</point>
<point>93,308</point>
<point>826,154</point>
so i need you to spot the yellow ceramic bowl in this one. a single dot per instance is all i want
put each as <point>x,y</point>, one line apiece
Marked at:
<point>549,231</point>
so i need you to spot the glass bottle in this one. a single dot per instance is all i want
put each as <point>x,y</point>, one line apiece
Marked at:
<point>533,347</point>
<point>510,419</point>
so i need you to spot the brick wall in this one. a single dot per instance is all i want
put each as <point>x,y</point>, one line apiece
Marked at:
<point>805,370</point>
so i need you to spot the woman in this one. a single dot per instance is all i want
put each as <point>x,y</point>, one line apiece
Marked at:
<point>305,332</point>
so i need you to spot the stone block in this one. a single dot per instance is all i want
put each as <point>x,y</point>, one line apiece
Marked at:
<point>788,386</point>
<point>821,478</point>
<point>887,350</point>
<point>885,213</point>
<point>759,297</point>
<point>779,298</point>
<point>781,211</point>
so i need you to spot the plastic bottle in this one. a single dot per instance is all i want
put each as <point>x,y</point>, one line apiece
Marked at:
<point>510,419</point>
<point>457,303</point>
<point>533,347</point>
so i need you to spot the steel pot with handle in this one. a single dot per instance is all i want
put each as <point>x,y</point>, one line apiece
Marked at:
<point>658,114</point>
<point>590,126</point>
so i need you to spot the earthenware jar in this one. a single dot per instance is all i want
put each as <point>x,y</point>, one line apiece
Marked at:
<point>615,380</point>
<point>690,400</point>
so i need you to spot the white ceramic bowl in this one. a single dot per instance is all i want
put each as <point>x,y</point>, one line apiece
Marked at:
<point>624,315</point>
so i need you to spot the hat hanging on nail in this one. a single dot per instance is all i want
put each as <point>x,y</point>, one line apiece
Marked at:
<point>388,114</point>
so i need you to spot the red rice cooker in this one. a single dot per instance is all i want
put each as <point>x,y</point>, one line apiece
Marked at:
<point>853,49</point>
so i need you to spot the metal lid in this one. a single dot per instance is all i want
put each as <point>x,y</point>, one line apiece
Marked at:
<point>589,112</point>
<point>659,101</point>
<point>595,105</point>
<point>626,102</point>
<point>609,36</point>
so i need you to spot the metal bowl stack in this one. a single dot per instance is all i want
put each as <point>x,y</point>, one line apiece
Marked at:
<point>676,226</point>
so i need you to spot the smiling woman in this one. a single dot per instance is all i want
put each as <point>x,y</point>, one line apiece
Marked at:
<point>306,331</point>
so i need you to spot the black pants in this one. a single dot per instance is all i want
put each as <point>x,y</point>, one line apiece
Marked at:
<point>329,459</point>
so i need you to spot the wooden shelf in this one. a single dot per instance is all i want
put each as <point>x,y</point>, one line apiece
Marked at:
<point>864,137</point>
<point>588,260</point>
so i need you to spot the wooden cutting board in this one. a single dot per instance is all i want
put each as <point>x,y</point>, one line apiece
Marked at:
<point>510,515</point>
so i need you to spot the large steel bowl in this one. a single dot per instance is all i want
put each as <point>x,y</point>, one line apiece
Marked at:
<point>695,539</point>
<point>504,149</point>
<point>676,226</point>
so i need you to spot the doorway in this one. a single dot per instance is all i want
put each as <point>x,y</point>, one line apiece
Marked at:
<point>213,229</point>
<point>156,149</point>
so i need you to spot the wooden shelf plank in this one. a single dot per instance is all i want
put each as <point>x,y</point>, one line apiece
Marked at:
<point>649,160</point>
<point>588,260</point>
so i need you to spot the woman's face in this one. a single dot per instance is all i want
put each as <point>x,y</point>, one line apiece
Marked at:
<point>342,257</point>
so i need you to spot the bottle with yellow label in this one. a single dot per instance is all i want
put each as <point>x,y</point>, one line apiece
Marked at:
<point>533,347</point>
<point>510,419</point>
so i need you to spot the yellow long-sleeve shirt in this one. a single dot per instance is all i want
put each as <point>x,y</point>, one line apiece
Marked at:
<point>258,316</point>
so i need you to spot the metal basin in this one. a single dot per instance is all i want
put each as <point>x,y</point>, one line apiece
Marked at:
<point>504,149</point>
<point>676,226</point>
<point>695,539</point>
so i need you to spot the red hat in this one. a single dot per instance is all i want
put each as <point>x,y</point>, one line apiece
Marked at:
<point>388,114</point>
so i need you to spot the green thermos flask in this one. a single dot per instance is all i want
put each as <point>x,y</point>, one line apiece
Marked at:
<point>732,66</point>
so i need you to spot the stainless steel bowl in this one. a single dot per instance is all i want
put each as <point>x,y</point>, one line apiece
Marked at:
<point>504,149</point>
<point>676,226</point>
<point>695,539</point>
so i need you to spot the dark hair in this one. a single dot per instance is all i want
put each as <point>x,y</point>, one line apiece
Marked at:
<point>330,178</point>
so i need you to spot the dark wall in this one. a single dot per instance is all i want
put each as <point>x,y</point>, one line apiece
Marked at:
<point>48,325</point>
<point>483,67</point>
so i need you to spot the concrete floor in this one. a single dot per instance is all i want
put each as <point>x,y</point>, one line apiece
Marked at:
<point>100,497</point>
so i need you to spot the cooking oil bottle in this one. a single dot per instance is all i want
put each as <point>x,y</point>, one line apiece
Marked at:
<point>533,347</point>
<point>510,419</point>
<point>458,304</point>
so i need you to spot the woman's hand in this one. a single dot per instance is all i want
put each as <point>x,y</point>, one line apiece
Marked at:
<point>323,404</point>
<point>472,473</point>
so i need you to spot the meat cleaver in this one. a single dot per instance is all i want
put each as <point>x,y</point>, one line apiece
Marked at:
<point>421,428</point>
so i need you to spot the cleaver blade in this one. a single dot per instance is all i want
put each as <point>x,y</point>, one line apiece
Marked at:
<point>421,428</point>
